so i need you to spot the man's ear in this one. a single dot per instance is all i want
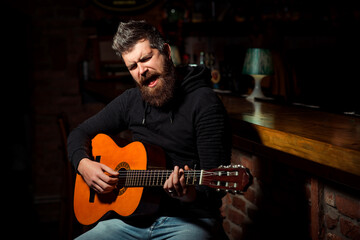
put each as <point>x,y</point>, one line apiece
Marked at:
<point>167,50</point>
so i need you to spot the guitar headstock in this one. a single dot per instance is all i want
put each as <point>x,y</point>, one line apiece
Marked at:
<point>231,178</point>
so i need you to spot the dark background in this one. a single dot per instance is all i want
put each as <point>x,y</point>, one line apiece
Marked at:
<point>315,45</point>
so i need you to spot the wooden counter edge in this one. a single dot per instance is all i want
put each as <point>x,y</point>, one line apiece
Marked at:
<point>347,160</point>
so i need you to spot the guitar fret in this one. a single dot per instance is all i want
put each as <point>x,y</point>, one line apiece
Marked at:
<point>143,174</point>
<point>146,178</point>
<point>157,179</point>
<point>127,179</point>
<point>133,182</point>
<point>131,179</point>
<point>137,178</point>
<point>142,178</point>
<point>158,183</point>
<point>162,175</point>
<point>153,177</point>
<point>149,178</point>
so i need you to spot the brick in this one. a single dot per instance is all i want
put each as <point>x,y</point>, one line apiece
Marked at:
<point>226,226</point>
<point>331,220</point>
<point>348,206</point>
<point>226,202</point>
<point>239,203</point>
<point>236,233</point>
<point>258,166</point>
<point>329,197</point>
<point>235,216</point>
<point>349,229</point>
<point>250,195</point>
<point>235,156</point>
<point>332,236</point>
<point>249,163</point>
<point>227,199</point>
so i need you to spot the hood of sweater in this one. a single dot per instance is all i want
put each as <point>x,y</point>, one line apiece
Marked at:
<point>193,78</point>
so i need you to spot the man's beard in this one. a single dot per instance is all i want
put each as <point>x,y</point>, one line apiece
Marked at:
<point>164,90</point>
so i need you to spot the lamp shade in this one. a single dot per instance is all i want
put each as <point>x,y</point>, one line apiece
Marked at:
<point>258,62</point>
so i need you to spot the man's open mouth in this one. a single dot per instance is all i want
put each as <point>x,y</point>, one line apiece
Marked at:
<point>151,81</point>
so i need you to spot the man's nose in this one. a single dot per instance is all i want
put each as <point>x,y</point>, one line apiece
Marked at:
<point>142,69</point>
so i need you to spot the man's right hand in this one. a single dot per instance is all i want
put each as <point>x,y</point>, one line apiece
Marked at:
<point>98,176</point>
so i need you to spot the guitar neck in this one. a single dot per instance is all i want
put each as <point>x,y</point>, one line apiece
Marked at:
<point>155,178</point>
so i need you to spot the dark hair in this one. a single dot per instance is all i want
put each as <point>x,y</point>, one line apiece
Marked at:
<point>129,33</point>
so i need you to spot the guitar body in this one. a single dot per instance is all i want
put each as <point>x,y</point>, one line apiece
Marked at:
<point>89,207</point>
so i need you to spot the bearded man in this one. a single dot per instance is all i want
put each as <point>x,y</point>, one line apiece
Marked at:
<point>175,110</point>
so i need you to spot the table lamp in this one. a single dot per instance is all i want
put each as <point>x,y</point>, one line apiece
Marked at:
<point>258,64</point>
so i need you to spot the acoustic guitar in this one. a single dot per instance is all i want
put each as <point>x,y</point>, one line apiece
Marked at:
<point>140,166</point>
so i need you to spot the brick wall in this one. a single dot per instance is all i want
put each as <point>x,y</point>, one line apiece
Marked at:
<point>286,203</point>
<point>341,213</point>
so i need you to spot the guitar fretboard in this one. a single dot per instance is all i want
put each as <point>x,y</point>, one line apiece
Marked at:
<point>155,178</point>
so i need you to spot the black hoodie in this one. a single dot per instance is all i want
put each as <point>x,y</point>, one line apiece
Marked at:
<point>192,130</point>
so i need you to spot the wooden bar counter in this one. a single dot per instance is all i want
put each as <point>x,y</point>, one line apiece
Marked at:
<point>323,143</point>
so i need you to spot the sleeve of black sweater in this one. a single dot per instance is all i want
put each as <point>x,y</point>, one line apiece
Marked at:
<point>110,120</point>
<point>214,145</point>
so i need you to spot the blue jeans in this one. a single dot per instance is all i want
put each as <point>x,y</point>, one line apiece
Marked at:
<point>173,228</point>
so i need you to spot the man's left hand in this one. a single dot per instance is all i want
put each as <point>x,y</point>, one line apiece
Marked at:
<point>176,187</point>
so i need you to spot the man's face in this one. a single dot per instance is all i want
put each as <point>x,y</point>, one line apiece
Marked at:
<point>152,71</point>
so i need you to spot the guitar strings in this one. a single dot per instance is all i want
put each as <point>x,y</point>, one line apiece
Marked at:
<point>151,173</point>
<point>156,178</point>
